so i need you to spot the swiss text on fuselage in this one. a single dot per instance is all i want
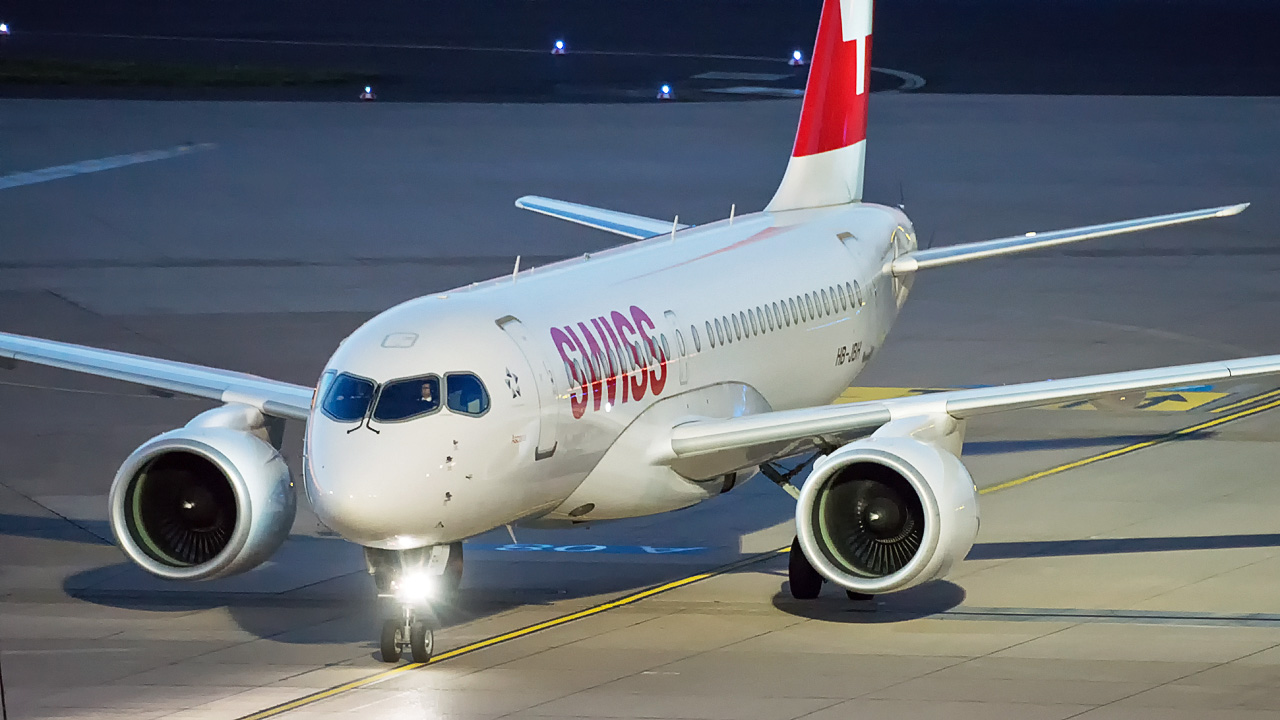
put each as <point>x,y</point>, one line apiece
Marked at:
<point>611,359</point>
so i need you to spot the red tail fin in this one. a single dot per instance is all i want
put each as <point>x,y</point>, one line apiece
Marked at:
<point>830,150</point>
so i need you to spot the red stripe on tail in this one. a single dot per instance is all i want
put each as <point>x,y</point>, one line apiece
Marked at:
<point>834,113</point>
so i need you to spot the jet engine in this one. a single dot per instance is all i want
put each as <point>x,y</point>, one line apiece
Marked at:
<point>211,499</point>
<point>887,513</point>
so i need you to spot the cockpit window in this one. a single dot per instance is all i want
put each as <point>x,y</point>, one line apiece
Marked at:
<point>405,399</point>
<point>347,398</point>
<point>466,394</point>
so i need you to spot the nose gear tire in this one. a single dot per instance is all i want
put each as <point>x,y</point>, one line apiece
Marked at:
<point>804,580</point>
<point>421,642</point>
<point>392,638</point>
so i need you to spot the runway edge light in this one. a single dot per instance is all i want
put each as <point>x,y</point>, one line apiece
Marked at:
<point>797,58</point>
<point>558,48</point>
<point>4,28</point>
<point>368,93</point>
<point>664,92</point>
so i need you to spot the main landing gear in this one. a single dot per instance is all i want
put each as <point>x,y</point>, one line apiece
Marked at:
<point>804,580</point>
<point>415,581</point>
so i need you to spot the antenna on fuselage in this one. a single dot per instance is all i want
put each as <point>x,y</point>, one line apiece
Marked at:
<point>515,271</point>
<point>732,208</point>
<point>674,224</point>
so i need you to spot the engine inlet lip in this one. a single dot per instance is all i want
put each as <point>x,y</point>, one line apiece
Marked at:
<point>121,494</point>
<point>805,525</point>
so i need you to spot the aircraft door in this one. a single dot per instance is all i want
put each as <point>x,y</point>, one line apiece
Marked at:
<point>543,382</point>
<point>681,347</point>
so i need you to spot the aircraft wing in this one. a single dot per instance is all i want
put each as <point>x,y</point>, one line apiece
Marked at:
<point>937,257</point>
<point>278,399</point>
<point>794,430</point>
<point>635,227</point>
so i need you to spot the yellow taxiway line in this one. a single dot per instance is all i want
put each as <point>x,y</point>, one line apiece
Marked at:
<point>1176,434</point>
<point>514,634</point>
<point>691,579</point>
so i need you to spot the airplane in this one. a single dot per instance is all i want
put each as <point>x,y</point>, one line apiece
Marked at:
<point>642,379</point>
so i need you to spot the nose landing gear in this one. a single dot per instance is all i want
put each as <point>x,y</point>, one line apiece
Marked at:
<point>416,581</point>
<point>409,633</point>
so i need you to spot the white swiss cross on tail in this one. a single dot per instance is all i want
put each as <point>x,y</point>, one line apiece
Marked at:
<point>830,150</point>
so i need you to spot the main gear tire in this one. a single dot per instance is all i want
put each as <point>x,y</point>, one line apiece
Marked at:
<point>804,580</point>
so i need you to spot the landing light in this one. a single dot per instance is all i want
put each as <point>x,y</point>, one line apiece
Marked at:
<point>4,28</point>
<point>664,92</point>
<point>559,48</point>
<point>797,58</point>
<point>368,93</point>
<point>416,587</point>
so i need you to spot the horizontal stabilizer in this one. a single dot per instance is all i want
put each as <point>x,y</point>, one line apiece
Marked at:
<point>937,257</point>
<point>635,227</point>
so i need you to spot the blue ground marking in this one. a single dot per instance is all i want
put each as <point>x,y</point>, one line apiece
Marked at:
<point>586,548</point>
<point>85,167</point>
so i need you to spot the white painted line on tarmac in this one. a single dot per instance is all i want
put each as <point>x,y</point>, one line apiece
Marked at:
<point>756,77</point>
<point>85,167</point>
<point>759,90</point>
<point>910,81</point>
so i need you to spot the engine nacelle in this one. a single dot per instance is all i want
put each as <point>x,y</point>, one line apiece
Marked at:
<point>207,500</point>
<point>887,513</point>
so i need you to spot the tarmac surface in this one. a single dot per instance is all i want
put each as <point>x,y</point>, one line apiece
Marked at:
<point>1142,584</point>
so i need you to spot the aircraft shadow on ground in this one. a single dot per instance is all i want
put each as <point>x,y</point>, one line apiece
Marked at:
<point>346,610</point>
<point>918,602</point>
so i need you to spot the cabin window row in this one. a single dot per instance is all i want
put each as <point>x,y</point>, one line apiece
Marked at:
<point>769,317</point>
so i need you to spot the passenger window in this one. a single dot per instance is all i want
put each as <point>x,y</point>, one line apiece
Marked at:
<point>857,292</point>
<point>844,304</point>
<point>737,328</point>
<point>466,394</point>
<point>347,398</point>
<point>407,399</point>
<point>768,313</point>
<point>719,332</point>
<point>697,341</point>
<point>666,349</point>
<point>795,317</point>
<point>755,330</point>
<point>826,303</point>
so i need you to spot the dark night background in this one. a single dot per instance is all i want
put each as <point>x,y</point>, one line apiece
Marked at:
<point>1197,47</point>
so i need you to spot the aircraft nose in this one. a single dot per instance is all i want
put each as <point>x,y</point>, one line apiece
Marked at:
<point>362,495</point>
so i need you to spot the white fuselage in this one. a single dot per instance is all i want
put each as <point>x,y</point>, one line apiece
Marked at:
<point>589,362</point>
